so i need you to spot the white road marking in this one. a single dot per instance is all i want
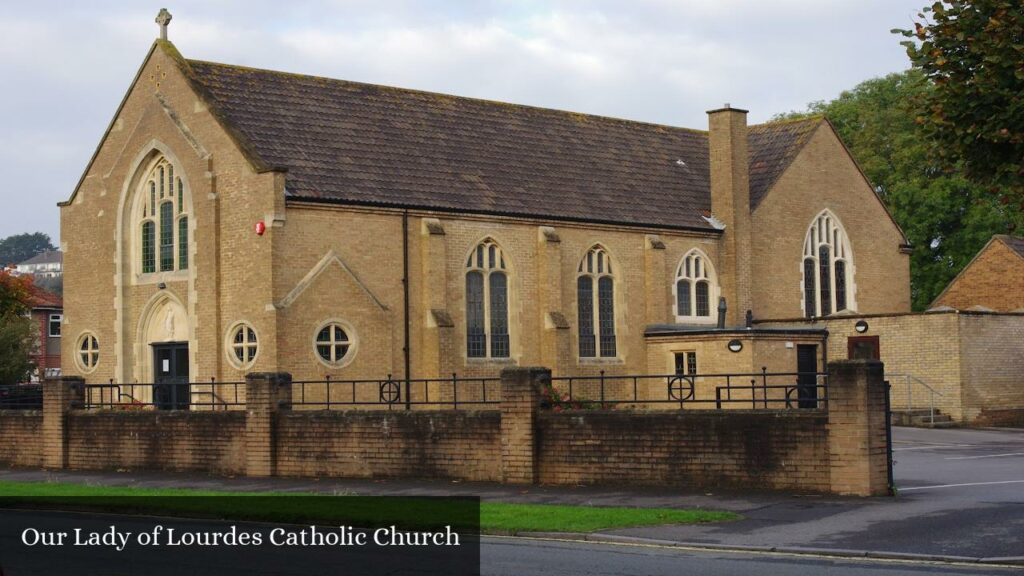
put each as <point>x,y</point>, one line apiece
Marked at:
<point>985,456</point>
<point>959,485</point>
<point>935,447</point>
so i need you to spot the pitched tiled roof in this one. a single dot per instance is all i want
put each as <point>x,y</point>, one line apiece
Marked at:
<point>1014,243</point>
<point>48,257</point>
<point>39,298</point>
<point>372,145</point>
<point>772,147</point>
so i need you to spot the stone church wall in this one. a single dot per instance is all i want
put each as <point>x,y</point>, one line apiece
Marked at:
<point>824,176</point>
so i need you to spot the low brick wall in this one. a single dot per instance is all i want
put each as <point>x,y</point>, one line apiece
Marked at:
<point>764,450</point>
<point>212,442</point>
<point>841,450</point>
<point>21,439</point>
<point>1009,417</point>
<point>463,445</point>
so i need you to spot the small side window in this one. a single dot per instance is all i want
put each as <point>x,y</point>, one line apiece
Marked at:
<point>54,325</point>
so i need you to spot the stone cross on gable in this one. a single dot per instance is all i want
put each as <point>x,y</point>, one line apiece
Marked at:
<point>163,19</point>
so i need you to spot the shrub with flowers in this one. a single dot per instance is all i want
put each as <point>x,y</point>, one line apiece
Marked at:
<point>559,401</point>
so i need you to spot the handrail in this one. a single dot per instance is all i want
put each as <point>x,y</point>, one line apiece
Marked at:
<point>932,392</point>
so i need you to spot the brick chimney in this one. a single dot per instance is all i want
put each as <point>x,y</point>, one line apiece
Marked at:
<point>730,204</point>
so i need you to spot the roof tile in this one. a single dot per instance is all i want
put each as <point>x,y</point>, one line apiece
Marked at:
<point>364,144</point>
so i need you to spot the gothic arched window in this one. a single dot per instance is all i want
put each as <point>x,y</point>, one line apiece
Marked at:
<point>595,303</point>
<point>161,220</point>
<point>487,302</point>
<point>827,268</point>
<point>696,288</point>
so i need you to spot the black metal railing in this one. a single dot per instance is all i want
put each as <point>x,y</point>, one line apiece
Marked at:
<point>392,393</point>
<point>756,390</point>
<point>209,395</point>
<point>28,396</point>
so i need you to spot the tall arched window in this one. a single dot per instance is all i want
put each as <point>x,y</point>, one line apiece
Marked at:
<point>161,220</point>
<point>487,302</point>
<point>696,288</point>
<point>595,302</point>
<point>827,268</point>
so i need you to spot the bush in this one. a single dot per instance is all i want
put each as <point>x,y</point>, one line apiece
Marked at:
<point>560,401</point>
<point>16,342</point>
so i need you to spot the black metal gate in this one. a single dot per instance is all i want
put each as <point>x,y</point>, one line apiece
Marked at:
<point>888,439</point>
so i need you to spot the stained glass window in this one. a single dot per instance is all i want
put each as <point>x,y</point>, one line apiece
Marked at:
<point>596,310</point>
<point>487,308</point>
<point>828,275</point>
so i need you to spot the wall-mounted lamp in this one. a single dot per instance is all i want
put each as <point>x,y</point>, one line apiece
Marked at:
<point>735,345</point>
<point>161,285</point>
<point>861,326</point>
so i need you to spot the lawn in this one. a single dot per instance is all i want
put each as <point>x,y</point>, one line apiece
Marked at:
<point>412,512</point>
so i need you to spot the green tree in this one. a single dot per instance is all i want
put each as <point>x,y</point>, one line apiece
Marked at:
<point>54,284</point>
<point>20,247</point>
<point>946,218</point>
<point>16,335</point>
<point>972,54</point>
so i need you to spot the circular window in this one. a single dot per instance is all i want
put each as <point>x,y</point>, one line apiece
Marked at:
<point>242,345</point>
<point>335,344</point>
<point>88,352</point>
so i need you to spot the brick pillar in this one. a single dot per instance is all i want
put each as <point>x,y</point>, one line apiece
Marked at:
<point>60,396</point>
<point>266,393</point>
<point>856,428</point>
<point>520,401</point>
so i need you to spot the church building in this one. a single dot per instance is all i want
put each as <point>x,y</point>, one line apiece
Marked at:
<point>237,220</point>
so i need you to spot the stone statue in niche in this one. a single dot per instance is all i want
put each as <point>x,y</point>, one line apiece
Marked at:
<point>169,324</point>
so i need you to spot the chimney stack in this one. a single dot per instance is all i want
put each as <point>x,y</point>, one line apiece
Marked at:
<point>730,204</point>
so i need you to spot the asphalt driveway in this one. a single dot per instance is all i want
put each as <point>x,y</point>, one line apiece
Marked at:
<point>961,493</point>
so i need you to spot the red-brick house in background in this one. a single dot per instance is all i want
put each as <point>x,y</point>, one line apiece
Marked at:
<point>47,314</point>
<point>992,282</point>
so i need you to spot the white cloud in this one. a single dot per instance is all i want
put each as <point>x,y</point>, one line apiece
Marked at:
<point>663,61</point>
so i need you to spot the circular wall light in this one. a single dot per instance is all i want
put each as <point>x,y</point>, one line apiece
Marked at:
<point>861,326</point>
<point>735,345</point>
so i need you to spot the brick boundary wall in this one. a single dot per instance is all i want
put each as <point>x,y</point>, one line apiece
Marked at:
<point>183,441</point>
<point>840,450</point>
<point>462,445</point>
<point>21,438</point>
<point>772,450</point>
<point>996,417</point>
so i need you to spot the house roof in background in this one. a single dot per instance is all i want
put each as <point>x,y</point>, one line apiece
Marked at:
<point>48,257</point>
<point>1013,243</point>
<point>39,298</point>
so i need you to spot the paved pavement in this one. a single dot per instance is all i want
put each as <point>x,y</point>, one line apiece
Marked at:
<point>524,557</point>
<point>961,494</point>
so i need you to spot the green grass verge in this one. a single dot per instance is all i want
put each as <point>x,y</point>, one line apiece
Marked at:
<point>495,517</point>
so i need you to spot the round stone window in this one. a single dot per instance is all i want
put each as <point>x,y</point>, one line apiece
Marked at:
<point>87,352</point>
<point>242,345</point>
<point>335,344</point>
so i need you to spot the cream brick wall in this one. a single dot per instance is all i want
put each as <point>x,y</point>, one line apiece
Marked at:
<point>775,353</point>
<point>228,263</point>
<point>370,244</point>
<point>992,362</point>
<point>974,361</point>
<point>925,346</point>
<point>823,176</point>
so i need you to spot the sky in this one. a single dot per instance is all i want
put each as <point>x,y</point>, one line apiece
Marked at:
<point>66,65</point>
